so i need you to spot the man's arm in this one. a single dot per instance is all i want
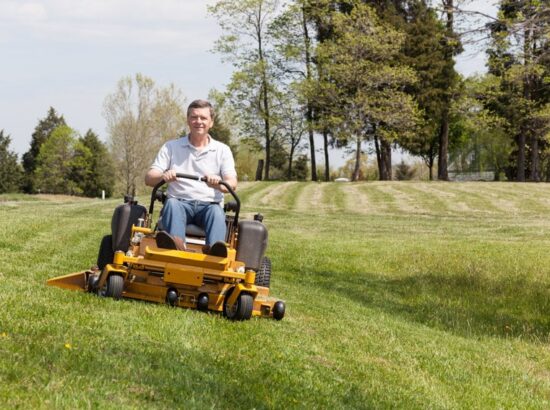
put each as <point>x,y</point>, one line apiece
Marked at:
<point>154,176</point>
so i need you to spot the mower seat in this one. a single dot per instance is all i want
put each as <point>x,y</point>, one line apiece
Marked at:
<point>195,234</point>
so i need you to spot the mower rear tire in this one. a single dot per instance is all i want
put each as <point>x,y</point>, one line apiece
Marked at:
<point>106,254</point>
<point>115,286</point>
<point>241,309</point>
<point>263,276</point>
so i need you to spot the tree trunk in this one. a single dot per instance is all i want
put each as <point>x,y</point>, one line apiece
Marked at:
<point>309,105</point>
<point>327,163</point>
<point>442,172</point>
<point>378,157</point>
<point>357,167</point>
<point>442,164</point>
<point>535,166</point>
<point>264,98</point>
<point>259,170</point>
<point>534,174</point>
<point>521,157</point>
<point>386,159</point>
<point>290,158</point>
<point>267,131</point>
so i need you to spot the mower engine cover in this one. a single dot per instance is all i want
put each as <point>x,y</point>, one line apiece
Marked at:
<point>251,244</point>
<point>124,217</point>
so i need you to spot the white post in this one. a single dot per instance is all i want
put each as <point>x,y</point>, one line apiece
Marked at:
<point>103,194</point>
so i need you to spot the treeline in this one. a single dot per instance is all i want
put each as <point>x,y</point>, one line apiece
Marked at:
<point>355,74</point>
<point>383,71</point>
<point>59,161</point>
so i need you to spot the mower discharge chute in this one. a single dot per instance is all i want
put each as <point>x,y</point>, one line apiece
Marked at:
<point>131,265</point>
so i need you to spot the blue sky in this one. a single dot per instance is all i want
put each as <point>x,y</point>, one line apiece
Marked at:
<point>70,54</point>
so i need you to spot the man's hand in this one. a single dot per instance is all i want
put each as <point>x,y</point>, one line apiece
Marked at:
<point>213,181</point>
<point>169,175</point>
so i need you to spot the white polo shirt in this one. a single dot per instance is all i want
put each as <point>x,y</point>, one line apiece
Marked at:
<point>214,159</point>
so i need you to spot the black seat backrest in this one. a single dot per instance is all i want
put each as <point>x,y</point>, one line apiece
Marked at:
<point>194,230</point>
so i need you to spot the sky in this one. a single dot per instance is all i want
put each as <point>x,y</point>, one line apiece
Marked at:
<point>70,54</point>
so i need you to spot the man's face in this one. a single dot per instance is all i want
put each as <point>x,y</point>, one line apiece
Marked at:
<point>200,121</point>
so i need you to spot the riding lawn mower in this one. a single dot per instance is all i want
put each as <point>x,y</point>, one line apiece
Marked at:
<point>130,264</point>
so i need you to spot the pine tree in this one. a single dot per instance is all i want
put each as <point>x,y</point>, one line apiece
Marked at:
<point>92,168</point>
<point>425,51</point>
<point>520,57</point>
<point>41,133</point>
<point>11,172</point>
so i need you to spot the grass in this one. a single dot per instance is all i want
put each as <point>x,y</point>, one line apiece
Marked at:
<point>401,295</point>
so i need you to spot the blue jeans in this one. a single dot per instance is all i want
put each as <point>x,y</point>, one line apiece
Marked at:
<point>178,213</point>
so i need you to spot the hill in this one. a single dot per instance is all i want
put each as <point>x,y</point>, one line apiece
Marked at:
<point>399,294</point>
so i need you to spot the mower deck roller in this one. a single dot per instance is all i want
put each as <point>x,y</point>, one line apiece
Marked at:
<point>236,284</point>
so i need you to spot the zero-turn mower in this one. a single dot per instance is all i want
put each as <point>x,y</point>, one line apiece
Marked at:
<point>131,265</point>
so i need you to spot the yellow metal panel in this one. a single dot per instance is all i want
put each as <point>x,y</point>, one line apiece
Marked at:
<point>73,281</point>
<point>188,258</point>
<point>183,275</point>
<point>145,291</point>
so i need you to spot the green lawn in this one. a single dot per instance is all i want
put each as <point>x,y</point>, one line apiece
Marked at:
<point>399,295</point>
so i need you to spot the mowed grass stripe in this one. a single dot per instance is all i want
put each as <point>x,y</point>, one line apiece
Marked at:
<point>379,201</point>
<point>422,201</point>
<point>527,198</point>
<point>475,196</point>
<point>335,197</point>
<point>246,190</point>
<point>255,198</point>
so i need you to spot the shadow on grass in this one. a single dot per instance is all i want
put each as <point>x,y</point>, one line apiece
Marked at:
<point>467,305</point>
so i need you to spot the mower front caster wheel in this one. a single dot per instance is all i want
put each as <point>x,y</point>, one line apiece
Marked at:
<point>278,310</point>
<point>241,309</point>
<point>115,285</point>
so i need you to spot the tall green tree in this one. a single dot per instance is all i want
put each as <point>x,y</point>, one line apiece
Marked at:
<point>371,102</point>
<point>41,133</point>
<point>520,57</point>
<point>294,35</point>
<point>424,51</point>
<point>11,173</point>
<point>483,141</point>
<point>247,44</point>
<point>452,47</point>
<point>54,162</point>
<point>92,168</point>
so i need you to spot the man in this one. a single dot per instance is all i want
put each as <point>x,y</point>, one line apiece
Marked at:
<point>189,201</point>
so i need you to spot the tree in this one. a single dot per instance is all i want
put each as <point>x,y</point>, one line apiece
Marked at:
<point>424,51</point>
<point>11,172</point>
<point>247,46</point>
<point>295,47</point>
<point>371,102</point>
<point>452,47</point>
<point>54,162</point>
<point>140,118</point>
<point>92,167</point>
<point>483,141</point>
<point>520,57</point>
<point>41,133</point>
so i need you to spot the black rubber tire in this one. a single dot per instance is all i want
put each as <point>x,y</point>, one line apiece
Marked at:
<point>278,310</point>
<point>106,254</point>
<point>241,310</point>
<point>115,286</point>
<point>263,276</point>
